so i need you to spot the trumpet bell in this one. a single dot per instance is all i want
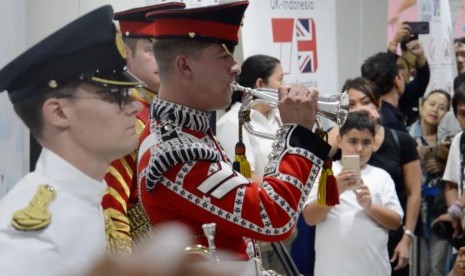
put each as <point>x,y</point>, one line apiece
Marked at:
<point>333,107</point>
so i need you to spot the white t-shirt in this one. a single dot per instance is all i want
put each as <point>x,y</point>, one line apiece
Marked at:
<point>257,148</point>
<point>348,241</point>
<point>452,171</point>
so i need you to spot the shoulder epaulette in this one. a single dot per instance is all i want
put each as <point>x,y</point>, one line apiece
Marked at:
<point>177,150</point>
<point>35,215</point>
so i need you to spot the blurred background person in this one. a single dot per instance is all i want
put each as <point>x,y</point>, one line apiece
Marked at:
<point>137,32</point>
<point>453,172</point>
<point>414,68</point>
<point>258,71</point>
<point>459,44</point>
<point>433,250</point>
<point>458,268</point>
<point>382,70</point>
<point>449,126</point>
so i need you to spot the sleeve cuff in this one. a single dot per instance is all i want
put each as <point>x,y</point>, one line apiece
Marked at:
<point>300,137</point>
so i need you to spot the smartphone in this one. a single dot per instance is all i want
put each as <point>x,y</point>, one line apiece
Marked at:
<point>352,162</point>
<point>419,27</point>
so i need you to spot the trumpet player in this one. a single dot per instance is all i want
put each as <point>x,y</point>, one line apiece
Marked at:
<point>183,175</point>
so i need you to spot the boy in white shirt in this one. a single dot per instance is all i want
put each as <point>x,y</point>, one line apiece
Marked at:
<point>368,208</point>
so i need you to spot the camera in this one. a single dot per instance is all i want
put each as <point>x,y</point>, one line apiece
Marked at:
<point>444,231</point>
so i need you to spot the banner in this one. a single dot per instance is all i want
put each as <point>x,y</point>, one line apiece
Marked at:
<point>301,33</point>
<point>438,44</point>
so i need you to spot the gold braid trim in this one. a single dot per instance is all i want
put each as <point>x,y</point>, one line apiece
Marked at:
<point>141,229</point>
<point>116,174</point>
<point>35,215</point>
<point>117,243</point>
<point>116,195</point>
<point>140,125</point>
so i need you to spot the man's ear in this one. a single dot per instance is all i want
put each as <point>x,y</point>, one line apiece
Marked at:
<point>54,112</point>
<point>182,66</point>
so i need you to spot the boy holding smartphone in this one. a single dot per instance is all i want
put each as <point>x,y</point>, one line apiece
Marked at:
<point>362,220</point>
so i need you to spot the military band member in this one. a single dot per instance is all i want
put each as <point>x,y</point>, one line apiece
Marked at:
<point>137,34</point>
<point>183,174</point>
<point>72,91</point>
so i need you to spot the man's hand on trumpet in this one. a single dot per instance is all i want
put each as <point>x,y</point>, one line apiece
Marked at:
<point>298,105</point>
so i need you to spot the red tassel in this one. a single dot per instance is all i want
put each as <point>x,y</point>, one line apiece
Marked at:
<point>328,194</point>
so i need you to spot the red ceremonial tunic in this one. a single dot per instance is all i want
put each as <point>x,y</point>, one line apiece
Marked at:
<point>184,176</point>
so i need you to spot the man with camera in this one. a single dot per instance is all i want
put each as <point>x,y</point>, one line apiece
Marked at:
<point>413,52</point>
<point>450,225</point>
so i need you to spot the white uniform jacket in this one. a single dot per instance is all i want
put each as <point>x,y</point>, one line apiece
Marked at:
<point>75,237</point>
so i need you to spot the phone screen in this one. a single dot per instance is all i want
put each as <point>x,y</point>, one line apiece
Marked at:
<point>421,27</point>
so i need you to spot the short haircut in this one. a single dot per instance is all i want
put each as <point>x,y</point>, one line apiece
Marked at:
<point>367,87</point>
<point>30,110</point>
<point>358,120</point>
<point>459,97</point>
<point>166,50</point>
<point>131,42</point>
<point>381,69</point>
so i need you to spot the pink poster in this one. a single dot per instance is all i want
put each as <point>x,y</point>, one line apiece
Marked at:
<point>400,11</point>
<point>406,10</point>
<point>459,28</point>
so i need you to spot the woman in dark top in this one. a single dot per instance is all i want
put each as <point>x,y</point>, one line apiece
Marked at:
<point>396,153</point>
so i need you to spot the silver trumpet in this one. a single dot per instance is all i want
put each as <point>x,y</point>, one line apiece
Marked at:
<point>333,107</point>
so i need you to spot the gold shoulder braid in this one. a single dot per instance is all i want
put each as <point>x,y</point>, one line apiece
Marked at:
<point>140,227</point>
<point>35,215</point>
<point>117,243</point>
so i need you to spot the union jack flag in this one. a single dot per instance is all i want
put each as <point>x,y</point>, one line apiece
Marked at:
<point>306,45</point>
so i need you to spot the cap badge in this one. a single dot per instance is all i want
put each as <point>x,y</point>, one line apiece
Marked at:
<point>52,84</point>
<point>191,34</point>
<point>35,215</point>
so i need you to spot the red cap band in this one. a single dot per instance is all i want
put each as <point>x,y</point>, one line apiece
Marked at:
<point>184,27</point>
<point>135,28</point>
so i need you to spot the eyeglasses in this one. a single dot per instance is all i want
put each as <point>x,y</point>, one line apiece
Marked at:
<point>119,95</point>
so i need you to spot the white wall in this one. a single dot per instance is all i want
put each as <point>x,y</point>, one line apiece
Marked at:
<point>13,135</point>
<point>361,32</point>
